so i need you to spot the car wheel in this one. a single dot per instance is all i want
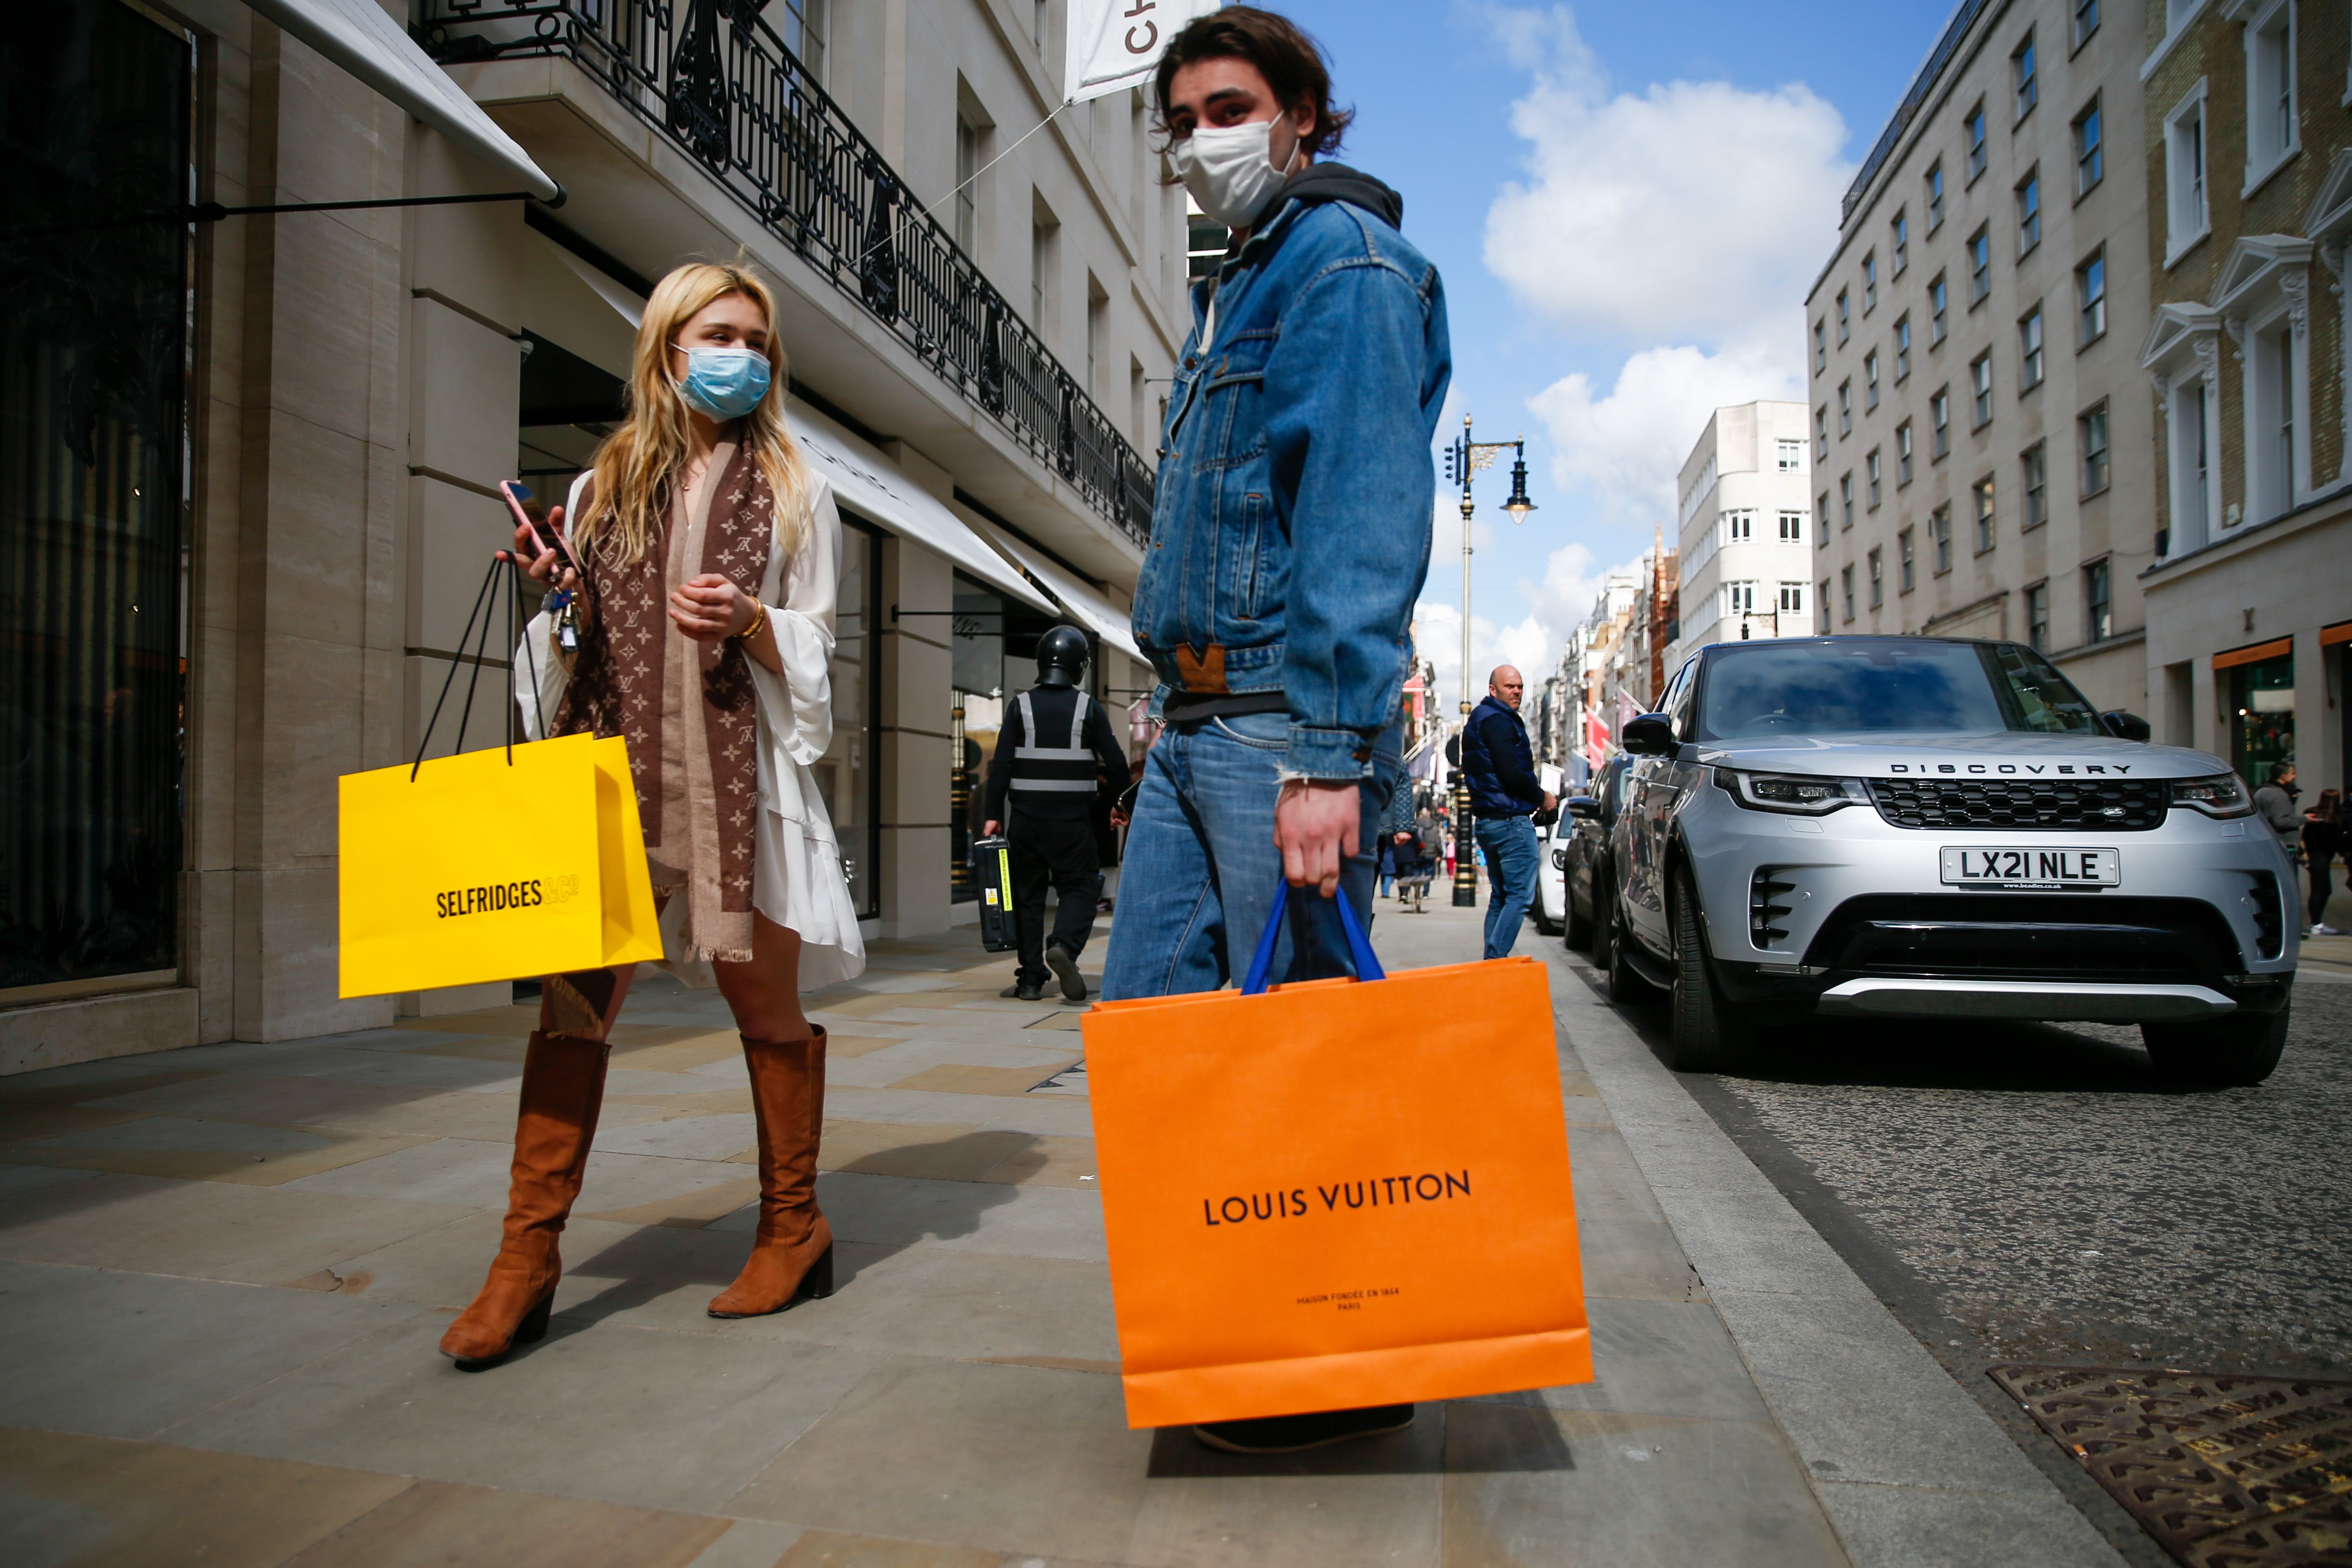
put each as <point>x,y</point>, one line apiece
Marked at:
<point>2219,1052</point>
<point>1708,1034</point>
<point>1544,926</point>
<point>1626,985</point>
<point>1578,927</point>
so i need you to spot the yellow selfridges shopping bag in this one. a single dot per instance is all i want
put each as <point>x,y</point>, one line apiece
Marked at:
<point>494,865</point>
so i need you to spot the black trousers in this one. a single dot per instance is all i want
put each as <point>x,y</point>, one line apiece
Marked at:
<point>1059,852</point>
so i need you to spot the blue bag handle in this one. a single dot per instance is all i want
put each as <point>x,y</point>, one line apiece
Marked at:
<point>1360,947</point>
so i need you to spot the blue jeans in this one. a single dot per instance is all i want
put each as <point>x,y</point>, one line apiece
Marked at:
<point>1200,873</point>
<point>1510,845</point>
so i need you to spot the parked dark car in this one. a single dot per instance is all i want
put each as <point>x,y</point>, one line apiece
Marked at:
<point>1581,852</point>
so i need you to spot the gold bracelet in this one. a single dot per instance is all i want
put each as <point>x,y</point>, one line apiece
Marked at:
<point>758,619</point>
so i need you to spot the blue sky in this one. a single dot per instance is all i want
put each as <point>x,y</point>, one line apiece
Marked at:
<point>1627,204</point>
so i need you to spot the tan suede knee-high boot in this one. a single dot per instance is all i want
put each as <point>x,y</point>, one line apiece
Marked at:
<point>562,1093</point>
<point>793,1255</point>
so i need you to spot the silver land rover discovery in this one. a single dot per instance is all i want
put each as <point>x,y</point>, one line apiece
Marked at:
<point>1914,827</point>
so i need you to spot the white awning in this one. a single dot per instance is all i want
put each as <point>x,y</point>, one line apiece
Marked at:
<point>358,36</point>
<point>865,480</point>
<point>1098,614</point>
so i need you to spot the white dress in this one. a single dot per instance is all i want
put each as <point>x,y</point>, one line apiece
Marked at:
<point>796,875</point>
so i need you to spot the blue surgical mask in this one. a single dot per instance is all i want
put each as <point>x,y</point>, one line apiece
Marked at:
<point>724,384</point>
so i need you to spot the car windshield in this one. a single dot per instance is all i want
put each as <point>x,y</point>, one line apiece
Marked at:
<point>1862,685</point>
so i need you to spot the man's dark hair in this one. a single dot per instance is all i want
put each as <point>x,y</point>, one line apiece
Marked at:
<point>1291,62</point>
<point>2279,771</point>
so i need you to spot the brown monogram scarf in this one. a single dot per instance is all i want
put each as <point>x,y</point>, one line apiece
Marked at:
<point>687,708</point>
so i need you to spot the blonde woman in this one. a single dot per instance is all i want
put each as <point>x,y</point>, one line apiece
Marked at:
<point>705,635</point>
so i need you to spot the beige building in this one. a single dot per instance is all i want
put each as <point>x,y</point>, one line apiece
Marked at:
<point>1746,518</point>
<point>1978,409</point>
<point>2250,187</point>
<point>251,492</point>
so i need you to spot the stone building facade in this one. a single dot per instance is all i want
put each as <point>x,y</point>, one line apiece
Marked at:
<point>276,521</point>
<point>1976,403</point>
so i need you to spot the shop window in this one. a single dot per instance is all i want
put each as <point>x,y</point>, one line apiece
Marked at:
<point>2262,716</point>
<point>847,775</point>
<point>93,656</point>
<point>993,659</point>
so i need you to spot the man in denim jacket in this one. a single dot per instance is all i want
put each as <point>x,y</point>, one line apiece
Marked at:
<point>1289,543</point>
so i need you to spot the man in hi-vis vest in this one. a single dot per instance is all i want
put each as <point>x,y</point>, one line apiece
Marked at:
<point>1055,743</point>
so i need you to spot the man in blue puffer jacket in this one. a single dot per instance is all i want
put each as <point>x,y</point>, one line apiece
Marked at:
<point>1289,538</point>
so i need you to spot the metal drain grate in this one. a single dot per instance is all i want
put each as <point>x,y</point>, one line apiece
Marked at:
<point>2224,1471</point>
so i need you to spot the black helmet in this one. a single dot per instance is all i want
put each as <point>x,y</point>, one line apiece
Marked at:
<point>1062,656</point>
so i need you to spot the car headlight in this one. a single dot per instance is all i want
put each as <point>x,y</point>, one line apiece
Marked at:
<point>2222,794</point>
<point>1805,795</point>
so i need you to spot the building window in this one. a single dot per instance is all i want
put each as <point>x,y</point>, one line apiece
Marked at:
<point>1939,422</point>
<point>1846,408</point>
<point>1869,283</point>
<point>1902,348</point>
<point>1041,268</point>
<point>1907,568</point>
<point>1822,511</point>
<point>1980,391</point>
<point>2029,212</point>
<point>1845,319</point>
<point>2184,174</point>
<point>2023,79</point>
<point>1793,599</point>
<point>804,29</point>
<point>2270,90</point>
<point>1792,528</point>
<point>1935,196</point>
<point>2086,20</point>
<point>1739,527</point>
<point>1821,433</point>
<point>1903,454</point>
<point>1870,465</point>
<point>1979,265</point>
<point>2091,430</point>
<point>967,199</point>
<point>1824,588</point>
<point>1821,347</point>
<point>2029,350</point>
<point>2090,157</point>
<point>1738,599</point>
<point>2091,298</point>
<point>1870,381</point>
<point>1845,499</point>
<point>1973,137</point>
<point>1981,491</point>
<point>1938,321</point>
<point>2037,617</point>
<point>1845,590</point>
<point>1792,455</point>
<point>2098,602</point>
<point>2271,400</point>
<point>1898,236</point>
<point>1877,578</point>
<point>2190,446</point>
<point>2036,467</point>
<point>1939,532</point>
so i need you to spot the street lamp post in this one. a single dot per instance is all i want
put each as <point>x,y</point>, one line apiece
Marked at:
<point>1465,460</point>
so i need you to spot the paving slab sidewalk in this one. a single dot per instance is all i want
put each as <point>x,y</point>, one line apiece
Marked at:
<point>223,1272</point>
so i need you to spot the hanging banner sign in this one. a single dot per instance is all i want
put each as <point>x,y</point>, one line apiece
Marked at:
<point>1117,44</point>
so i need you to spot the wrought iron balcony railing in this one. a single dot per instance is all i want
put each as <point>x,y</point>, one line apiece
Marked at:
<point>720,85</point>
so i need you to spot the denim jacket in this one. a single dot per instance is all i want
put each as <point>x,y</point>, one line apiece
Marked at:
<point>1291,530</point>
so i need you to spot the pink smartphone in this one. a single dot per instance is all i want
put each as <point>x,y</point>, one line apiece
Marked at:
<point>543,538</point>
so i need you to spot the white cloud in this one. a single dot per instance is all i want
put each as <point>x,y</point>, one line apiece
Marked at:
<point>1534,643</point>
<point>1627,445</point>
<point>1688,212</point>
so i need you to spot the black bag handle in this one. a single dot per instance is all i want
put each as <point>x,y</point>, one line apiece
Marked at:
<point>486,611</point>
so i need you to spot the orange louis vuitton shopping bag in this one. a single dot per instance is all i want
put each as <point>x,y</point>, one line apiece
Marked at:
<point>1337,1193</point>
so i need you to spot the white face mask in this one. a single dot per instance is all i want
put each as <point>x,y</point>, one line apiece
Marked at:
<point>1230,171</point>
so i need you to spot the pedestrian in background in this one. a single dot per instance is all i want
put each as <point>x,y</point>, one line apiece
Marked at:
<point>2275,803</point>
<point>1056,748</point>
<point>1504,794</point>
<point>2322,840</point>
<point>1304,401</point>
<point>712,557</point>
<point>1396,833</point>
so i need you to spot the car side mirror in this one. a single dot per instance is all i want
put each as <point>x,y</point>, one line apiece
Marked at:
<point>2125,726</point>
<point>1648,735</point>
<point>1582,805</point>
